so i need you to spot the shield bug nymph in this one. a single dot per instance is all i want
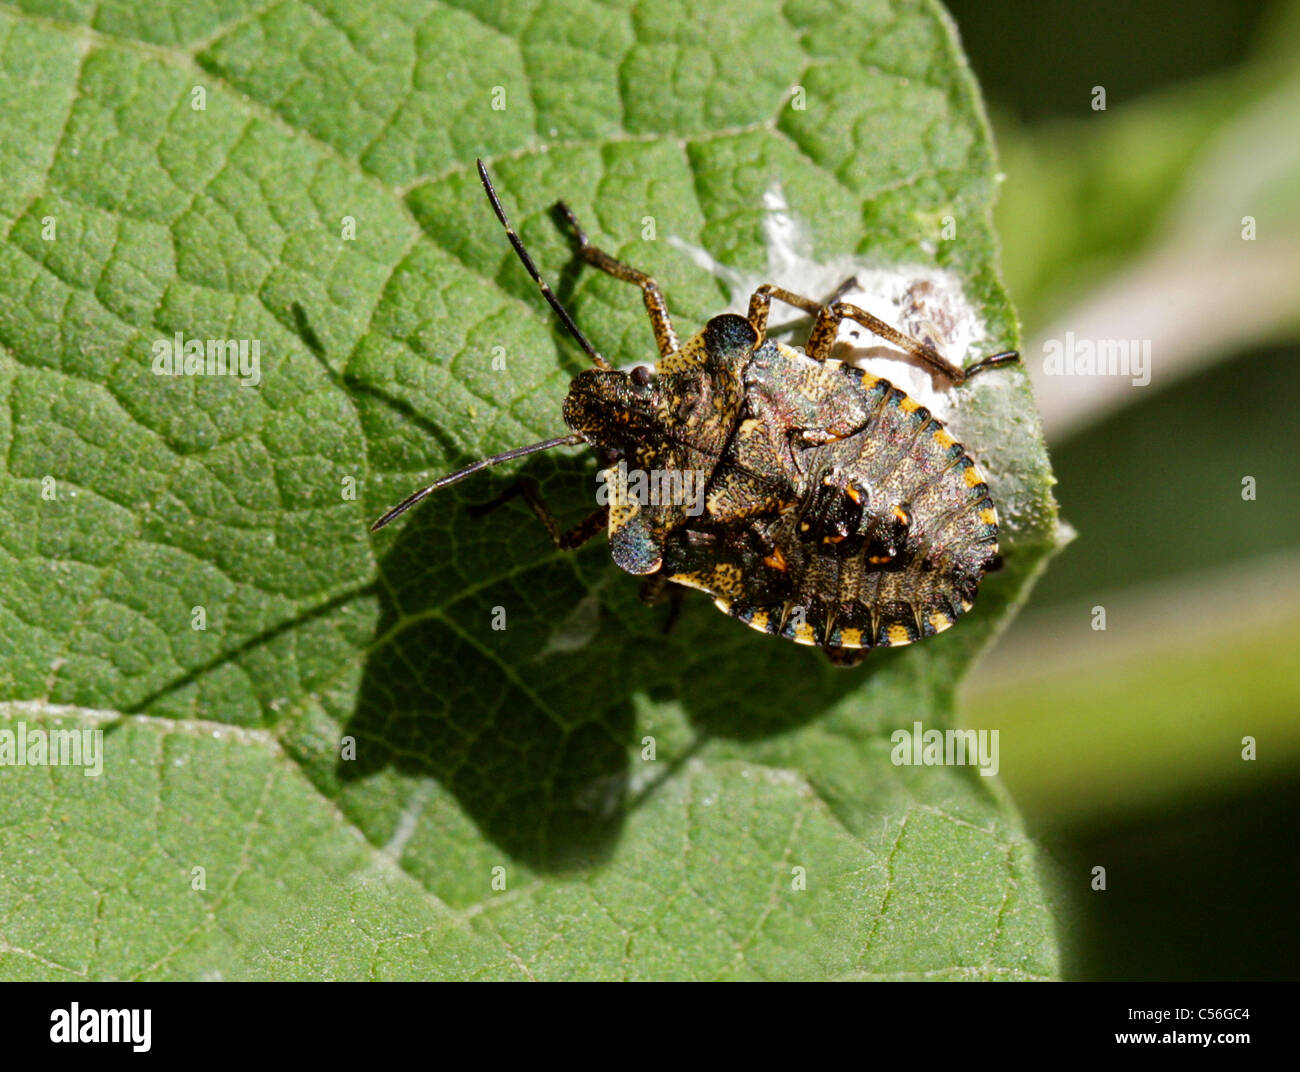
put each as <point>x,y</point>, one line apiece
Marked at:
<point>835,511</point>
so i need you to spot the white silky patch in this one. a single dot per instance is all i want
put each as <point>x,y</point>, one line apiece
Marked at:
<point>925,302</point>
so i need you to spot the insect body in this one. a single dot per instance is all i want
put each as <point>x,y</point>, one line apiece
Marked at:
<point>837,512</point>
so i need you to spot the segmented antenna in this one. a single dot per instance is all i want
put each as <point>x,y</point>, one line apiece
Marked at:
<point>531,268</point>
<point>485,463</point>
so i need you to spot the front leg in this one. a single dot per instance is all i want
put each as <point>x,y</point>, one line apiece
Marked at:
<point>827,329</point>
<point>760,304</point>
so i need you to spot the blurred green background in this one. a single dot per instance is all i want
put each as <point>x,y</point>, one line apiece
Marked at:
<point>1123,747</point>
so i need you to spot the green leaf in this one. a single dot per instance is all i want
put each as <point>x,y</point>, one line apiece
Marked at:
<point>771,836</point>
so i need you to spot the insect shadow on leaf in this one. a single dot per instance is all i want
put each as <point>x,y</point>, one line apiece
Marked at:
<point>537,747</point>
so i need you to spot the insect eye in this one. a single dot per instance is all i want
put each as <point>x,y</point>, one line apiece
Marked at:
<point>641,376</point>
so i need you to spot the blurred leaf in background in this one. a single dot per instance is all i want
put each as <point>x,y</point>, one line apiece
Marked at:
<point>1171,216</point>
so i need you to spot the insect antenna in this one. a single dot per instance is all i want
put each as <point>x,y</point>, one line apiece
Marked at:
<point>485,463</point>
<point>531,268</point>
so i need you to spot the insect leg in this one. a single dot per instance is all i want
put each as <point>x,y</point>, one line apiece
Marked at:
<point>827,328</point>
<point>660,322</point>
<point>655,589</point>
<point>575,537</point>
<point>760,303</point>
<point>849,284</point>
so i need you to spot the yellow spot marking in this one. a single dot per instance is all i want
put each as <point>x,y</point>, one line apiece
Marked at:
<point>966,605</point>
<point>898,634</point>
<point>989,516</point>
<point>834,539</point>
<point>759,621</point>
<point>973,476</point>
<point>748,425</point>
<point>944,439</point>
<point>939,621</point>
<point>908,404</point>
<point>803,634</point>
<point>878,560</point>
<point>724,579</point>
<point>776,560</point>
<point>902,515</point>
<point>851,638</point>
<point>852,492</point>
<point>723,605</point>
